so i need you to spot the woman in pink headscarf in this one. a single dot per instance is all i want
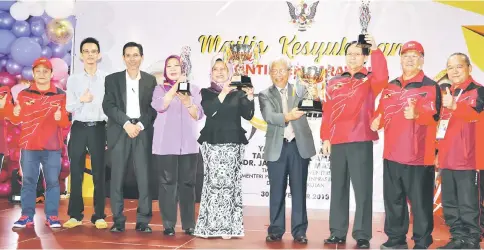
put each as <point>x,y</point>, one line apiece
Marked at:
<point>223,142</point>
<point>175,148</point>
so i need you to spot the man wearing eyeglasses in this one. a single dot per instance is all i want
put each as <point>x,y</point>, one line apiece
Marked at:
<point>408,111</point>
<point>346,135</point>
<point>288,149</point>
<point>85,92</point>
<point>127,103</point>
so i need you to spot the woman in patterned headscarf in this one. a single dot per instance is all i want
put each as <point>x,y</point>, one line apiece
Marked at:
<point>223,142</point>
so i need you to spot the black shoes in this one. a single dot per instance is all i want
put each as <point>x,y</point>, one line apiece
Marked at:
<point>394,244</point>
<point>117,228</point>
<point>273,238</point>
<point>189,231</point>
<point>169,231</point>
<point>363,244</point>
<point>301,239</point>
<point>335,240</point>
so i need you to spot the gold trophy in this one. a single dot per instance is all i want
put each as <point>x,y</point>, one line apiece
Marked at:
<point>310,77</point>
<point>239,55</point>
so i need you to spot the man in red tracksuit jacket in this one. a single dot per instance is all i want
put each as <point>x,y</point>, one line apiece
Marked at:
<point>409,110</point>
<point>346,135</point>
<point>40,109</point>
<point>460,148</point>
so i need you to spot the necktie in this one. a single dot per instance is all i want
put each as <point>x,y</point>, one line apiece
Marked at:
<point>288,131</point>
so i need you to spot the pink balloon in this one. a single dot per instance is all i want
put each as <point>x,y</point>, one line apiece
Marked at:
<point>59,69</point>
<point>7,79</point>
<point>5,189</point>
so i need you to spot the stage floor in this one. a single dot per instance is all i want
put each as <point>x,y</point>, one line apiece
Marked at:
<point>255,221</point>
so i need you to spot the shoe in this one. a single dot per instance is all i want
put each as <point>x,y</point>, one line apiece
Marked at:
<point>472,245</point>
<point>143,227</point>
<point>363,244</point>
<point>301,239</point>
<point>71,223</point>
<point>53,222</point>
<point>419,247</point>
<point>454,244</point>
<point>226,237</point>
<point>335,240</point>
<point>24,221</point>
<point>394,244</point>
<point>273,237</point>
<point>169,231</point>
<point>117,228</point>
<point>189,231</point>
<point>101,224</point>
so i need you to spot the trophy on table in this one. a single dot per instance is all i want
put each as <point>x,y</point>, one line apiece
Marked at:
<point>186,68</point>
<point>239,55</point>
<point>365,17</point>
<point>310,77</point>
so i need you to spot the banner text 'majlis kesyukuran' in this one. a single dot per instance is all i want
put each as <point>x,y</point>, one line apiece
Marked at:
<point>291,46</point>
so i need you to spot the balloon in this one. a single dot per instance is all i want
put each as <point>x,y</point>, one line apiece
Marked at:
<point>20,11</point>
<point>67,58</point>
<point>37,39</point>
<point>21,29</point>
<point>36,9</point>
<point>60,31</point>
<point>25,50</point>
<point>7,79</point>
<point>5,5</point>
<point>46,18</point>
<point>58,50</point>
<point>59,9</point>
<point>6,20</point>
<point>46,52</point>
<point>3,175</point>
<point>9,138</point>
<point>73,20</point>
<point>27,73</point>
<point>62,84</point>
<point>59,68</point>
<point>5,189</point>
<point>37,26</point>
<point>3,62</point>
<point>6,40</point>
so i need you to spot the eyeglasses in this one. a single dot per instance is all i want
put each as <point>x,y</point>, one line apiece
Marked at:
<point>94,52</point>
<point>280,71</point>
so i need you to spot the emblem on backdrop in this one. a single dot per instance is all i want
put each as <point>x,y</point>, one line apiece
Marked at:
<point>302,14</point>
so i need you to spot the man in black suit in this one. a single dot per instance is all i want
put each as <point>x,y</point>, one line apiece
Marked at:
<point>127,103</point>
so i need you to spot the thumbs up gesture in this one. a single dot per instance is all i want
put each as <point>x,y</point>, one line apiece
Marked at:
<point>57,114</point>
<point>16,109</point>
<point>448,100</point>
<point>376,123</point>
<point>86,97</point>
<point>409,111</point>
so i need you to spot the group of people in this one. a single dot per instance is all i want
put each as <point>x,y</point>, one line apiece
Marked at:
<point>148,122</point>
<point>426,126</point>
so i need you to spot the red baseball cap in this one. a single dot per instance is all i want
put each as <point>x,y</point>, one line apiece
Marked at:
<point>412,45</point>
<point>42,61</point>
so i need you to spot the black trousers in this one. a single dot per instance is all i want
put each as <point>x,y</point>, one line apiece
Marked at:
<point>291,164</point>
<point>351,162</point>
<point>177,176</point>
<point>460,200</point>
<point>92,138</point>
<point>136,149</point>
<point>481,191</point>
<point>415,183</point>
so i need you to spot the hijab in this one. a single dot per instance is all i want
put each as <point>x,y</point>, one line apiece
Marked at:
<point>217,87</point>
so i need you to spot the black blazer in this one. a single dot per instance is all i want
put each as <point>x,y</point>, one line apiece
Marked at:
<point>114,103</point>
<point>223,123</point>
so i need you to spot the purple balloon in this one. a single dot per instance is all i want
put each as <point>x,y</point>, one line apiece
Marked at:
<point>46,18</point>
<point>58,50</point>
<point>45,39</point>
<point>46,52</point>
<point>68,45</point>
<point>67,58</point>
<point>3,64</point>
<point>13,68</point>
<point>6,40</point>
<point>21,29</point>
<point>25,50</point>
<point>73,20</point>
<point>6,20</point>
<point>5,5</point>
<point>37,39</point>
<point>37,26</point>
<point>27,73</point>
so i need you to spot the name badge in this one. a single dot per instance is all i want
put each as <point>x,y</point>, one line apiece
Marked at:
<point>442,129</point>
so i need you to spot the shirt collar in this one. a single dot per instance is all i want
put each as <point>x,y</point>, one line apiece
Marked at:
<point>363,71</point>
<point>279,89</point>
<point>418,78</point>
<point>138,77</point>
<point>463,85</point>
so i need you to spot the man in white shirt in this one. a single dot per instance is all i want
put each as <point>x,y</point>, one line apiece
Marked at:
<point>85,92</point>
<point>127,103</point>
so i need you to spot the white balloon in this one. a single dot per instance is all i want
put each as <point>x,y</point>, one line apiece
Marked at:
<point>20,11</point>
<point>36,9</point>
<point>59,9</point>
